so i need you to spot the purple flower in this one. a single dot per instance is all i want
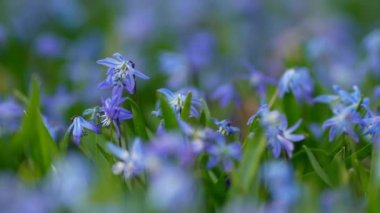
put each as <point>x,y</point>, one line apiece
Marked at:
<point>177,102</point>
<point>121,74</point>
<point>221,152</point>
<point>113,113</point>
<point>131,163</point>
<point>225,128</point>
<point>372,45</point>
<point>10,116</point>
<point>78,126</point>
<point>299,82</point>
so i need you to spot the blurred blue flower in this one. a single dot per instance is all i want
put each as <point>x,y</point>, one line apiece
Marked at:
<point>259,81</point>
<point>344,99</point>
<point>172,189</point>
<point>113,113</point>
<point>278,176</point>
<point>169,148</point>
<point>372,45</point>
<point>49,45</point>
<point>131,163</point>
<point>298,81</point>
<point>371,127</point>
<point>177,67</point>
<point>177,101</point>
<point>11,113</point>
<point>121,74</point>
<point>78,127</point>
<point>200,138</point>
<point>225,94</point>
<point>225,128</point>
<point>221,152</point>
<point>200,49</point>
<point>343,122</point>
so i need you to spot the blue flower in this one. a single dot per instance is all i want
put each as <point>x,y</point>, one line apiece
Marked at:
<point>259,81</point>
<point>77,127</point>
<point>281,137</point>
<point>225,128</point>
<point>131,163</point>
<point>221,152</point>
<point>177,102</point>
<point>343,122</point>
<point>371,127</point>
<point>113,113</point>
<point>344,99</point>
<point>199,137</point>
<point>276,130</point>
<point>299,82</point>
<point>121,74</point>
<point>278,176</point>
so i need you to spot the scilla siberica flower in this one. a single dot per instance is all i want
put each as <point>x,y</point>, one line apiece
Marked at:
<point>113,113</point>
<point>299,82</point>
<point>345,107</point>
<point>131,163</point>
<point>177,101</point>
<point>225,127</point>
<point>276,130</point>
<point>121,74</point>
<point>221,152</point>
<point>78,126</point>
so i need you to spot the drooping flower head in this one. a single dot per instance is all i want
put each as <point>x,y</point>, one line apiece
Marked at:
<point>221,152</point>
<point>131,163</point>
<point>299,82</point>
<point>259,81</point>
<point>226,94</point>
<point>121,74</point>
<point>78,127</point>
<point>113,113</point>
<point>177,102</point>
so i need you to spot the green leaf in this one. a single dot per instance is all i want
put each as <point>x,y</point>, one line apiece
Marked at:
<point>246,175</point>
<point>317,167</point>
<point>205,115</point>
<point>138,120</point>
<point>185,113</point>
<point>169,116</point>
<point>33,138</point>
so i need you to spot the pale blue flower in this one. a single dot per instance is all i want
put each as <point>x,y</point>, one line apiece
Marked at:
<point>131,163</point>
<point>299,82</point>
<point>223,153</point>
<point>225,127</point>
<point>78,127</point>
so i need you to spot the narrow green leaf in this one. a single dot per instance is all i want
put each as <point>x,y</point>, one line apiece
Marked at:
<point>168,114</point>
<point>246,175</point>
<point>185,113</point>
<point>205,114</point>
<point>138,120</point>
<point>317,168</point>
<point>33,138</point>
